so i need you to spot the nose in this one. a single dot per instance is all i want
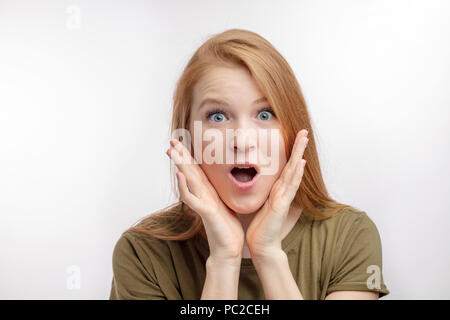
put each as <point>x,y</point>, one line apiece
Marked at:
<point>244,139</point>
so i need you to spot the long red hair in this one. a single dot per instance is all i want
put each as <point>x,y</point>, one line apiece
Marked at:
<point>277,82</point>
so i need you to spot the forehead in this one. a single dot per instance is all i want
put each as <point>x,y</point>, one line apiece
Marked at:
<point>233,85</point>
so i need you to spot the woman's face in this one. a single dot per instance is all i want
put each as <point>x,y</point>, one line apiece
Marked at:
<point>234,92</point>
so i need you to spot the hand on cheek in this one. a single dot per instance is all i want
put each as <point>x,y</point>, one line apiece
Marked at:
<point>223,228</point>
<point>264,233</point>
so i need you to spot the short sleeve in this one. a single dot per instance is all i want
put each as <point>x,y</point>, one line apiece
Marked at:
<point>358,263</point>
<point>131,279</point>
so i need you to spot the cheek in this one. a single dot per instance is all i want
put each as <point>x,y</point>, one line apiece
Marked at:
<point>214,171</point>
<point>282,158</point>
<point>209,170</point>
<point>277,157</point>
<point>215,174</point>
<point>282,151</point>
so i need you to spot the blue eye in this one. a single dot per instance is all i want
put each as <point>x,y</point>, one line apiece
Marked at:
<point>219,115</point>
<point>266,114</point>
<point>216,115</point>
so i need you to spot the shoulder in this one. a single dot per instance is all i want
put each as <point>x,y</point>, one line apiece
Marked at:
<point>138,255</point>
<point>138,244</point>
<point>353,252</point>
<point>140,241</point>
<point>347,224</point>
<point>356,222</point>
<point>347,217</point>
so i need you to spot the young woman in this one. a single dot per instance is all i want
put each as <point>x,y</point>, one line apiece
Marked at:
<point>238,233</point>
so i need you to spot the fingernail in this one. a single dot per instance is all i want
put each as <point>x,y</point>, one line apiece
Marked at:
<point>306,132</point>
<point>172,143</point>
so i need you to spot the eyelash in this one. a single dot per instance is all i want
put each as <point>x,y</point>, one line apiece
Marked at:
<point>220,110</point>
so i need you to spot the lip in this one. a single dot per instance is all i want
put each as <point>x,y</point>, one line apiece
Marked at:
<point>244,186</point>
<point>244,164</point>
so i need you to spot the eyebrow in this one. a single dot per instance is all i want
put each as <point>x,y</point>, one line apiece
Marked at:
<point>220,102</point>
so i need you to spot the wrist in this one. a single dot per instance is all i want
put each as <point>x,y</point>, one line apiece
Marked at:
<point>222,279</point>
<point>218,263</point>
<point>269,257</point>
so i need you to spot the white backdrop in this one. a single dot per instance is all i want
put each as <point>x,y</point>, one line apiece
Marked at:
<point>85,106</point>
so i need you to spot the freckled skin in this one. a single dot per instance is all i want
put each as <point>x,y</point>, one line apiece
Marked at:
<point>237,87</point>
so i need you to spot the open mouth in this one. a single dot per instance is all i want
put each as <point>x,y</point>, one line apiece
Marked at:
<point>244,174</point>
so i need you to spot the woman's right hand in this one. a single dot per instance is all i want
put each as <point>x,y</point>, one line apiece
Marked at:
<point>222,226</point>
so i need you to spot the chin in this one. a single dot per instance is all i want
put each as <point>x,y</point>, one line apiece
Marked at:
<point>243,210</point>
<point>245,206</point>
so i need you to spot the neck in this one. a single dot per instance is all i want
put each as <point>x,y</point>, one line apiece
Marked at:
<point>245,219</point>
<point>291,219</point>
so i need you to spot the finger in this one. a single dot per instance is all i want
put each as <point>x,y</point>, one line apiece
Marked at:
<point>297,176</point>
<point>296,156</point>
<point>175,156</point>
<point>299,146</point>
<point>291,187</point>
<point>186,196</point>
<point>186,164</point>
<point>191,179</point>
<point>182,151</point>
<point>195,180</point>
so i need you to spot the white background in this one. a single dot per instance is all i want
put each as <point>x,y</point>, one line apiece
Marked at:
<point>85,107</point>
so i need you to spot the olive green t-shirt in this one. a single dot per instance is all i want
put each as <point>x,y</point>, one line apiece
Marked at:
<point>342,252</point>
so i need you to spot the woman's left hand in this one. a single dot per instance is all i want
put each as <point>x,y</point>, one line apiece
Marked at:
<point>264,233</point>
